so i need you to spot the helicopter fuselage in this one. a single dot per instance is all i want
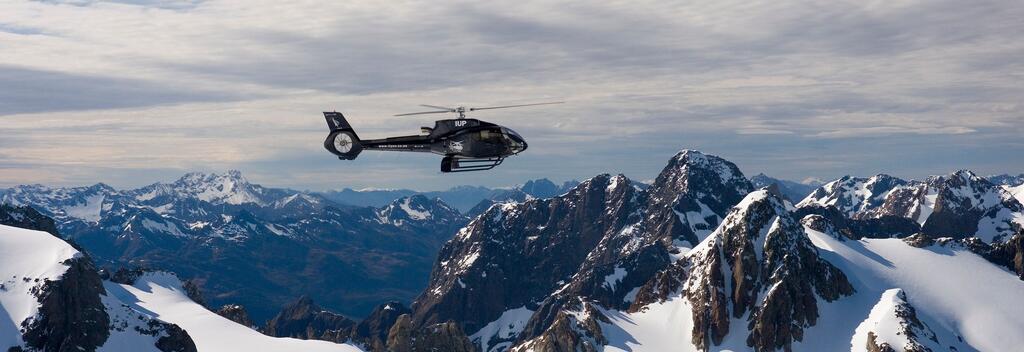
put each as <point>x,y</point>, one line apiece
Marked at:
<point>458,138</point>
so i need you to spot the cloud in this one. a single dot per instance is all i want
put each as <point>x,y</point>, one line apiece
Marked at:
<point>156,87</point>
<point>32,91</point>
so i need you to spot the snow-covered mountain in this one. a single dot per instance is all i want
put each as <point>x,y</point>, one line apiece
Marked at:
<point>700,260</point>
<point>961,204</point>
<point>53,299</point>
<point>255,246</point>
<point>1007,179</point>
<point>163,297</point>
<point>464,198</point>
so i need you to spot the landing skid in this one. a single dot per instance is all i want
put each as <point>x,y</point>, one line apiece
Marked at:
<point>450,164</point>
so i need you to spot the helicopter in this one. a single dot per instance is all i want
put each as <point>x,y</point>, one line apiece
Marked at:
<point>467,144</point>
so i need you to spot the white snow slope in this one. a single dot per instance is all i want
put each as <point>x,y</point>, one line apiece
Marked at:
<point>1017,192</point>
<point>25,256</point>
<point>956,293</point>
<point>162,295</point>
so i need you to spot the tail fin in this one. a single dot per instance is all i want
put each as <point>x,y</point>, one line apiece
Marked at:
<point>342,141</point>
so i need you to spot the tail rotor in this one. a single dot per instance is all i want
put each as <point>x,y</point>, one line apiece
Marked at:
<point>342,141</point>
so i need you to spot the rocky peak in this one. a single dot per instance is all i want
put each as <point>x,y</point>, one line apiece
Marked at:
<point>691,194</point>
<point>305,320</point>
<point>854,196</point>
<point>373,330</point>
<point>963,204</point>
<point>417,209</point>
<point>893,325</point>
<point>515,254</point>
<point>447,336</point>
<point>1007,179</point>
<point>228,188</point>
<point>758,266</point>
<point>236,313</point>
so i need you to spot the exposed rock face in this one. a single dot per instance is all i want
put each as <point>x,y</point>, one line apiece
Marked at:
<point>968,205</point>
<point>894,326</point>
<point>691,194</point>
<point>175,339</point>
<point>193,292</point>
<point>372,332</point>
<point>821,224</point>
<point>854,196</point>
<point>127,275</point>
<point>27,218</point>
<point>574,328</point>
<point>1010,254</point>
<point>515,254</point>
<point>447,336</point>
<point>760,262</point>
<point>236,313</point>
<point>884,226</point>
<point>682,206</point>
<point>957,205</point>
<point>305,320</point>
<point>71,314</point>
<point>597,243</point>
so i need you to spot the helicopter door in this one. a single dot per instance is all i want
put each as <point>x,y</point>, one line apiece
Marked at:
<point>486,143</point>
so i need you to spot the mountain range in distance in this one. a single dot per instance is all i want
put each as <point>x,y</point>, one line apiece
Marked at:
<point>700,258</point>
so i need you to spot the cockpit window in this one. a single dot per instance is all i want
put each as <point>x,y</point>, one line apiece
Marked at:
<point>512,133</point>
<point>488,136</point>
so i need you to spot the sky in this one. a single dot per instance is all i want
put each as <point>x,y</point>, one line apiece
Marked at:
<point>134,92</point>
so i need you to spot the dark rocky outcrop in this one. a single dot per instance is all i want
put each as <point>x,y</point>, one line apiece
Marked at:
<point>516,254</point>
<point>1010,254</point>
<point>236,313</point>
<point>774,273</point>
<point>918,336</point>
<point>27,218</point>
<point>372,331</point>
<point>305,320</point>
<point>128,275</point>
<point>597,243</point>
<point>193,292</point>
<point>71,314</point>
<point>854,197</point>
<point>175,339</point>
<point>959,205</point>
<point>447,336</point>
<point>575,327</point>
<point>883,226</point>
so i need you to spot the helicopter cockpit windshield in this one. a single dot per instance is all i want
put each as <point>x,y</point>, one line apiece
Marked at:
<point>516,142</point>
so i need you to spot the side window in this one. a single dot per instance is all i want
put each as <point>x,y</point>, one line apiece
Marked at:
<point>488,136</point>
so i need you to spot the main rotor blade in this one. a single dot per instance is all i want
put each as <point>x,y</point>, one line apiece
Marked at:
<point>513,106</point>
<point>439,107</point>
<point>424,112</point>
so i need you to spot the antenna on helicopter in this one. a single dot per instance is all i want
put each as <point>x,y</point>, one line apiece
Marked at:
<point>461,110</point>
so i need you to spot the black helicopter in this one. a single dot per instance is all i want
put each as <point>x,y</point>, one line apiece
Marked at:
<point>467,144</point>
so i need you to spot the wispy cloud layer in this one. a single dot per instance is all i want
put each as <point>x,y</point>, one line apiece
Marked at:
<point>129,92</point>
